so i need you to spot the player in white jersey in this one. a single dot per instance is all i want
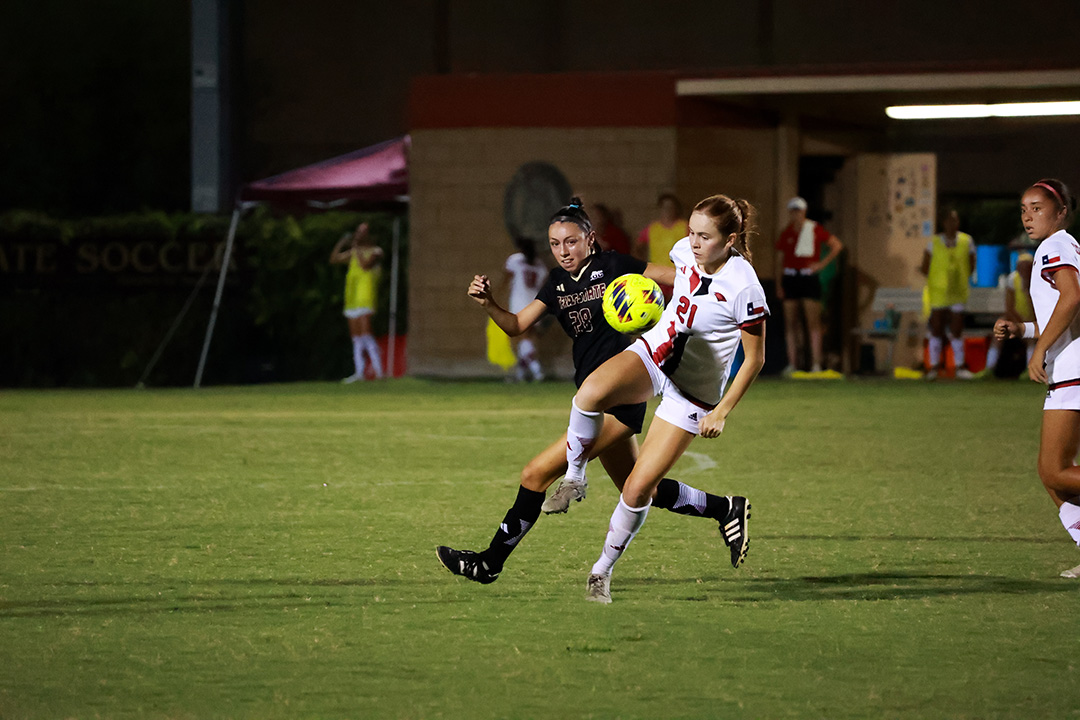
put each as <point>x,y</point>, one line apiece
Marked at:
<point>525,275</point>
<point>686,359</point>
<point>1045,210</point>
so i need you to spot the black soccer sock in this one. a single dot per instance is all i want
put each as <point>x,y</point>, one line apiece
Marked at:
<point>519,519</point>
<point>684,500</point>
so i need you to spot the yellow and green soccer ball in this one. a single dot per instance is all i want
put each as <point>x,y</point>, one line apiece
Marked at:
<point>633,304</point>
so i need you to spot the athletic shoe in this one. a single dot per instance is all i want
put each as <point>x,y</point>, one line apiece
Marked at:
<point>467,564</point>
<point>598,589</point>
<point>567,492</point>
<point>352,378</point>
<point>964,374</point>
<point>734,528</point>
<point>931,374</point>
<point>1072,572</point>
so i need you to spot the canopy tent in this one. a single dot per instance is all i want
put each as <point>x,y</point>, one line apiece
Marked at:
<point>377,175</point>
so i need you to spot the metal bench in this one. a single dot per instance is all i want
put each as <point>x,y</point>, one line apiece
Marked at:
<point>981,301</point>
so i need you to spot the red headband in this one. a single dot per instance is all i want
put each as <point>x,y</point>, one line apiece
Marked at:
<point>1052,190</point>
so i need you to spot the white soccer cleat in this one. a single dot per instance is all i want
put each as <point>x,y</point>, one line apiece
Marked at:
<point>1072,572</point>
<point>964,374</point>
<point>598,589</point>
<point>568,491</point>
<point>355,377</point>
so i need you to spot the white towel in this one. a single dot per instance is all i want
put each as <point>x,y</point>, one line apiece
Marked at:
<point>805,246</point>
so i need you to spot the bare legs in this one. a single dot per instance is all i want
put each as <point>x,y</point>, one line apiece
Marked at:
<point>793,330</point>
<point>1059,445</point>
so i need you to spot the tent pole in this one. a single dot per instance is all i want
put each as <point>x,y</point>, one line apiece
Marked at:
<point>220,288</point>
<point>391,349</point>
<point>172,329</point>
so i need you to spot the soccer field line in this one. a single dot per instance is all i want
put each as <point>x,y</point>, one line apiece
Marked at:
<point>80,488</point>
<point>279,414</point>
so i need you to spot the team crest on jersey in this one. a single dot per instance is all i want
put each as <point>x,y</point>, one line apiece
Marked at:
<point>596,275</point>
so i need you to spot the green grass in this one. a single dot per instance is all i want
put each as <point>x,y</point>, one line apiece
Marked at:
<point>268,552</point>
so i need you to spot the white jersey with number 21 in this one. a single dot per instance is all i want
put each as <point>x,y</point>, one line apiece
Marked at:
<point>697,336</point>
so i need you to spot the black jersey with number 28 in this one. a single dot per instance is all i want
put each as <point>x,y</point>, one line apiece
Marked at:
<point>576,301</point>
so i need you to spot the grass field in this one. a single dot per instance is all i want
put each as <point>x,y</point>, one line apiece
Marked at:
<point>267,552</point>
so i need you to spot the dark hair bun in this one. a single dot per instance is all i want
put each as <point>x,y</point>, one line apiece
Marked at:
<point>575,202</point>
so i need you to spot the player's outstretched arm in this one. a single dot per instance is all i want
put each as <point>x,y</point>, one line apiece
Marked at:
<point>510,323</point>
<point>660,273</point>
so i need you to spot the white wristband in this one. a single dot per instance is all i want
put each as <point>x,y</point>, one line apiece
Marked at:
<point>1029,330</point>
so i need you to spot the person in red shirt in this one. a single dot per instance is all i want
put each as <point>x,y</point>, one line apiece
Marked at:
<point>798,262</point>
<point>608,231</point>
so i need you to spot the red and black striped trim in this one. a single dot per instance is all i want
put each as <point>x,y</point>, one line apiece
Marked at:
<point>700,403</point>
<point>1064,384</point>
<point>755,321</point>
<point>1047,272</point>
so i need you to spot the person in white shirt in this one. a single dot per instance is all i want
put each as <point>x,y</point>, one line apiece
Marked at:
<point>685,358</point>
<point>525,275</point>
<point>1046,209</point>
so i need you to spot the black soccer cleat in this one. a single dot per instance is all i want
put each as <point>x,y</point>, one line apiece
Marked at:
<point>467,564</point>
<point>734,528</point>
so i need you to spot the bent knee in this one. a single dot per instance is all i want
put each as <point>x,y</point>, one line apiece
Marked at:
<point>1050,474</point>
<point>535,478</point>
<point>590,396</point>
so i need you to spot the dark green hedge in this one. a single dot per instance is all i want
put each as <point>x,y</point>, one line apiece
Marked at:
<point>67,321</point>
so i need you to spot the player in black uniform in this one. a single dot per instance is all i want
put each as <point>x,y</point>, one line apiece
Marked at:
<point>574,293</point>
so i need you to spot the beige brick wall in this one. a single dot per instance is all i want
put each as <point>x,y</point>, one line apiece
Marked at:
<point>457,181</point>
<point>739,162</point>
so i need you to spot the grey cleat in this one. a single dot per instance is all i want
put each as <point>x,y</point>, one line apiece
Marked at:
<point>567,492</point>
<point>598,589</point>
<point>1071,572</point>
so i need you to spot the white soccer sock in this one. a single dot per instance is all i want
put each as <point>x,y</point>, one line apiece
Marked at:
<point>624,525</point>
<point>358,354</point>
<point>957,352</point>
<point>992,356</point>
<point>526,351</point>
<point>1069,512</point>
<point>580,435</point>
<point>527,358</point>
<point>372,349</point>
<point>934,344</point>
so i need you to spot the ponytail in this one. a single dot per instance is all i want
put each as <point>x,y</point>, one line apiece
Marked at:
<point>732,217</point>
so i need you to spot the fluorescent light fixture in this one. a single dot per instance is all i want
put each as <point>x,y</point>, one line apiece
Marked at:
<point>942,112</point>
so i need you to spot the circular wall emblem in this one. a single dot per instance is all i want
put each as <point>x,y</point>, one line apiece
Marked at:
<point>533,195</point>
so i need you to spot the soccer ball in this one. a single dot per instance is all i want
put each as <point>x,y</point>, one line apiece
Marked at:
<point>632,303</point>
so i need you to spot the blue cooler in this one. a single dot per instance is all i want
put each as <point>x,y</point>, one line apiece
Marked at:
<point>1013,255</point>
<point>989,264</point>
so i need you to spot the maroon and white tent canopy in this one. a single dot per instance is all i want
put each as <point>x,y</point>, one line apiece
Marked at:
<point>379,174</point>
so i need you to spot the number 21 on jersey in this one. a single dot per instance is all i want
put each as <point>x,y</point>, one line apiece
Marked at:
<point>686,318</point>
